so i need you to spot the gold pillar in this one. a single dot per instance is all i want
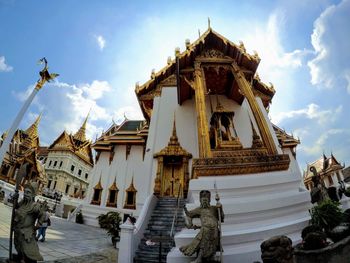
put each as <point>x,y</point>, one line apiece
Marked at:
<point>258,115</point>
<point>202,122</point>
<point>157,184</point>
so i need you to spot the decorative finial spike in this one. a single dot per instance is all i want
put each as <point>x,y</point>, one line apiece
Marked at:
<point>199,33</point>
<point>169,60</point>
<point>153,74</point>
<point>187,43</point>
<point>177,51</point>
<point>209,23</point>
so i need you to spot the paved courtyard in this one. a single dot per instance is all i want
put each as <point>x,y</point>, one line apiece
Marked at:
<point>65,241</point>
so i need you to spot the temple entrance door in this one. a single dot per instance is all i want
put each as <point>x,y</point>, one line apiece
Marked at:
<point>173,176</point>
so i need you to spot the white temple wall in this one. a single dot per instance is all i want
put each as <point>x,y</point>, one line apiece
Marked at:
<point>161,128</point>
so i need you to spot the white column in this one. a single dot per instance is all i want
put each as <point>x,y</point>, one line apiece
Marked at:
<point>125,254</point>
<point>15,124</point>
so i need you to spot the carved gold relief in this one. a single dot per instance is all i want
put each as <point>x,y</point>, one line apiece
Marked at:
<point>239,165</point>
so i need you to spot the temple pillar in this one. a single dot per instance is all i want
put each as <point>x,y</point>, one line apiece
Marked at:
<point>245,88</point>
<point>202,122</point>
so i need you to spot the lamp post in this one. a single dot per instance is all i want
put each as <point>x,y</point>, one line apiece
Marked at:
<point>57,198</point>
<point>45,76</point>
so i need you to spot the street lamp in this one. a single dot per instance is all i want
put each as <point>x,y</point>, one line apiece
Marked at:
<point>45,76</point>
<point>57,198</point>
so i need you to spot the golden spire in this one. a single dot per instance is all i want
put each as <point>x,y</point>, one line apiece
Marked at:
<point>173,139</point>
<point>80,134</point>
<point>32,131</point>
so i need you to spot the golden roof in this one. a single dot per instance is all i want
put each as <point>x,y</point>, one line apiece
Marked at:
<point>323,165</point>
<point>214,46</point>
<point>131,187</point>
<point>284,139</point>
<point>174,148</point>
<point>80,134</point>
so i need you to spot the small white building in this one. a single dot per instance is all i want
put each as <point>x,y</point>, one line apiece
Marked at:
<point>69,162</point>
<point>205,124</point>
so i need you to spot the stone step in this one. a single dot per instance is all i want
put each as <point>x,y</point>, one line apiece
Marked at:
<point>160,224</point>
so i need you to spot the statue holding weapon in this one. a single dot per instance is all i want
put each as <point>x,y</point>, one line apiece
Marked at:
<point>24,215</point>
<point>207,241</point>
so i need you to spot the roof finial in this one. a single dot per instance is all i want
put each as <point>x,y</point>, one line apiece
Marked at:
<point>80,134</point>
<point>187,43</point>
<point>125,118</point>
<point>199,33</point>
<point>209,23</point>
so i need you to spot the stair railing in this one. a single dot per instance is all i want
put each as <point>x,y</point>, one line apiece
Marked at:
<point>172,232</point>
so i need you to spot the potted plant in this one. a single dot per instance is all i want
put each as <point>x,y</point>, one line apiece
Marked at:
<point>326,215</point>
<point>111,223</point>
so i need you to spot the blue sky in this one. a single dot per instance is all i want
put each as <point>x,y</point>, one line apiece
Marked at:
<point>102,48</point>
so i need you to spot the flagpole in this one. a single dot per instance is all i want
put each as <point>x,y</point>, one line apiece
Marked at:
<point>45,77</point>
<point>217,198</point>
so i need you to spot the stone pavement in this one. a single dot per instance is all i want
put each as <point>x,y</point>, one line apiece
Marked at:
<point>65,241</point>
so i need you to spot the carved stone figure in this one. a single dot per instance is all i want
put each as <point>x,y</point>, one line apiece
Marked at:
<point>26,214</point>
<point>207,241</point>
<point>277,249</point>
<point>319,191</point>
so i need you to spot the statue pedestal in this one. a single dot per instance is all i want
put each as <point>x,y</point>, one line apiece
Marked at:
<point>256,207</point>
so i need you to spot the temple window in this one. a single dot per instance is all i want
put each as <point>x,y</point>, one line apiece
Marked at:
<point>72,168</point>
<point>49,183</point>
<point>130,200</point>
<point>330,180</point>
<point>79,172</point>
<point>55,163</point>
<point>86,175</point>
<point>96,197</point>
<point>54,185</point>
<point>113,195</point>
<point>338,176</point>
<point>50,163</point>
<point>61,164</point>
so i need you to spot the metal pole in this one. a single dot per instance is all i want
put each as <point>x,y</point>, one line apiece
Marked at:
<point>217,198</point>
<point>15,124</point>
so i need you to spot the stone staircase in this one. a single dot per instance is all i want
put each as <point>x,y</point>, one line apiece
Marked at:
<point>159,227</point>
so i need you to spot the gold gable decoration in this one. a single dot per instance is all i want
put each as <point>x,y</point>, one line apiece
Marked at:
<point>172,176</point>
<point>130,200</point>
<point>96,197</point>
<point>113,194</point>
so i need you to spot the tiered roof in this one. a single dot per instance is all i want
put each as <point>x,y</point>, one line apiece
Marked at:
<point>131,132</point>
<point>77,144</point>
<point>215,47</point>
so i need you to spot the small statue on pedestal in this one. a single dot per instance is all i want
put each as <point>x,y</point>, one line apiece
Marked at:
<point>27,212</point>
<point>319,191</point>
<point>207,241</point>
<point>277,249</point>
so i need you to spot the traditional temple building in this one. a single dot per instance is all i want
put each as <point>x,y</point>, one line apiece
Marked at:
<point>68,164</point>
<point>206,126</point>
<point>23,149</point>
<point>328,169</point>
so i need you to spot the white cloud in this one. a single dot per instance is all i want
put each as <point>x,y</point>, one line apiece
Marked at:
<point>312,111</point>
<point>322,142</point>
<point>3,66</point>
<point>101,41</point>
<point>65,106</point>
<point>330,66</point>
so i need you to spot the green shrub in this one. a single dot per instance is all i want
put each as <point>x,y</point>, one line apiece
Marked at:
<point>326,215</point>
<point>111,223</point>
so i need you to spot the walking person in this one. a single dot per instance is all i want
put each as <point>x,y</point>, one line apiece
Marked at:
<point>46,223</point>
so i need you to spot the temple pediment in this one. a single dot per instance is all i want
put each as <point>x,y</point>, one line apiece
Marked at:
<point>216,54</point>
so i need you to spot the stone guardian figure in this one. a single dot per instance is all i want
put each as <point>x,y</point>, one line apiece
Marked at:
<point>207,241</point>
<point>27,213</point>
